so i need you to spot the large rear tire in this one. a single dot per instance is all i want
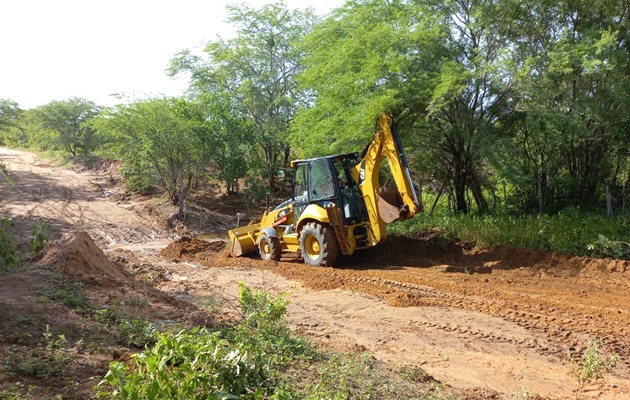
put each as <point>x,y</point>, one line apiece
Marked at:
<point>318,245</point>
<point>270,248</point>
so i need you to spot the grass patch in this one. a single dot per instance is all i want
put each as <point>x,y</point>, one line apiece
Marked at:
<point>570,232</point>
<point>360,376</point>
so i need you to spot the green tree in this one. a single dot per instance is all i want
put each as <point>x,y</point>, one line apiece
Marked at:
<point>257,67</point>
<point>438,65</point>
<point>162,137</point>
<point>231,139</point>
<point>571,77</point>
<point>473,92</point>
<point>65,125</point>
<point>10,115</point>
<point>366,57</point>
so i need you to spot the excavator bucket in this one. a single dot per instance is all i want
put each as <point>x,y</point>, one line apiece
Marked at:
<point>244,240</point>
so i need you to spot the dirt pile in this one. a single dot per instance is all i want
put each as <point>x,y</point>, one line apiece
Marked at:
<point>193,248</point>
<point>77,255</point>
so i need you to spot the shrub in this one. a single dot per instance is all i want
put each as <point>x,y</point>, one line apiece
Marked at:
<point>9,256</point>
<point>592,366</point>
<point>200,364</point>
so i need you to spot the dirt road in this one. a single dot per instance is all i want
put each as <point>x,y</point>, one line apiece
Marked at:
<point>499,318</point>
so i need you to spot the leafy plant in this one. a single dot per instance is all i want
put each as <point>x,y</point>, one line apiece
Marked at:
<point>604,247</point>
<point>16,392</point>
<point>40,235</point>
<point>70,294</point>
<point>194,364</point>
<point>592,366</point>
<point>5,172</point>
<point>261,310</point>
<point>137,332</point>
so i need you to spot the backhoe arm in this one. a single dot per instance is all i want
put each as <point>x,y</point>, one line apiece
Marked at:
<point>385,143</point>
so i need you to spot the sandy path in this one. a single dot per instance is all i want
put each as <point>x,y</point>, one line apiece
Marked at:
<point>68,200</point>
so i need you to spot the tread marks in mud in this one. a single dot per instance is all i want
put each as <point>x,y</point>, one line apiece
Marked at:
<point>554,329</point>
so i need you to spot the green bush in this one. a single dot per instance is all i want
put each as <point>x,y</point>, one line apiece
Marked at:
<point>200,364</point>
<point>570,232</point>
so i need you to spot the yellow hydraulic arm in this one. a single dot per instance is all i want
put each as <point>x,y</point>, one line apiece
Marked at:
<point>385,143</point>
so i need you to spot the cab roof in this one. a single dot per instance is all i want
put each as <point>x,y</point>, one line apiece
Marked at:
<point>354,155</point>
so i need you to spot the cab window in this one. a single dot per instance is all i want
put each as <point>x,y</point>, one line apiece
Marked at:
<point>322,186</point>
<point>299,183</point>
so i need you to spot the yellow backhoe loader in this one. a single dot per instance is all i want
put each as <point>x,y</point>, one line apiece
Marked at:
<point>336,207</point>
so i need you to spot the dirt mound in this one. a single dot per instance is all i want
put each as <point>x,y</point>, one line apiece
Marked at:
<point>77,255</point>
<point>191,247</point>
<point>109,283</point>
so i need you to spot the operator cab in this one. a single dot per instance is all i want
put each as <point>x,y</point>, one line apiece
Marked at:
<point>326,180</point>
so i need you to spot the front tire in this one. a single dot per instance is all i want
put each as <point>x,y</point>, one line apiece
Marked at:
<point>270,248</point>
<point>318,245</point>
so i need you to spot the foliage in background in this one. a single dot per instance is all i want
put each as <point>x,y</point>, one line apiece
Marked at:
<point>365,58</point>
<point>64,125</point>
<point>162,138</point>
<point>10,114</point>
<point>231,139</point>
<point>570,232</point>
<point>257,67</point>
<point>524,92</point>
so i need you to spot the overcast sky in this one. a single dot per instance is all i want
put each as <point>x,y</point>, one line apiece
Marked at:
<point>58,49</point>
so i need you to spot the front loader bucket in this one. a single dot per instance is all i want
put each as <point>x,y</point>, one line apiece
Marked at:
<point>244,240</point>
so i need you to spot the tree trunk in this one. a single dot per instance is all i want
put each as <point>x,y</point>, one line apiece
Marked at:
<point>494,199</point>
<point>446,179</point>
<point>460,194</point>
<point>477,193</point>
<point>181,212</point>
<point>272,177</point>
<point>623,200</point>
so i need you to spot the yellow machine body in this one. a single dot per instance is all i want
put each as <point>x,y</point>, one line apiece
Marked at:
<point>335,218</point>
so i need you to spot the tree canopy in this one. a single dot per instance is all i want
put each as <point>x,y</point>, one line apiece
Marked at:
<point>257,68</point>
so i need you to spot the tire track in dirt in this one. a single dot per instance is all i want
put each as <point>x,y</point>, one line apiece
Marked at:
<point>556,326</point>
<point>562,306</point>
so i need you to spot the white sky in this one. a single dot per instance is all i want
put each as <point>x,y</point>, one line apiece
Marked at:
<point>58,49</point>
